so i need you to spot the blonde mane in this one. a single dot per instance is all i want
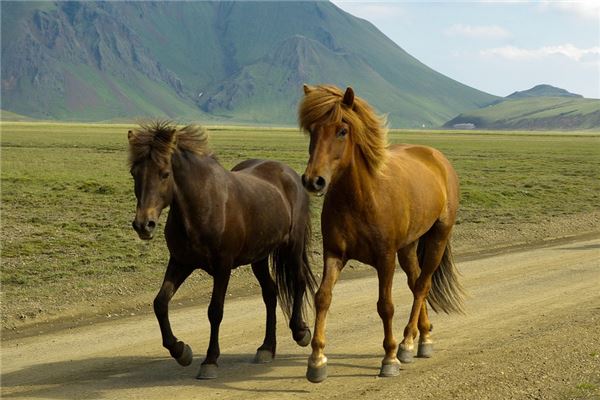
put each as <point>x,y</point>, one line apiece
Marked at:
<point>323,105</point>
<point>158,140</point>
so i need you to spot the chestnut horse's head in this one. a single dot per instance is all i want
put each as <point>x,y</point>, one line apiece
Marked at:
<point>151,149</point>
<point>342,127</point>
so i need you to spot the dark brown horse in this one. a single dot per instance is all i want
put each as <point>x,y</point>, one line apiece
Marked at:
<point>381,202</point>
<point>219,220</point>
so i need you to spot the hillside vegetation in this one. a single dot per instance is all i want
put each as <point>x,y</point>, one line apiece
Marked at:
<point>540,113</point>
<point>11,116</point>
<point>209,62</point>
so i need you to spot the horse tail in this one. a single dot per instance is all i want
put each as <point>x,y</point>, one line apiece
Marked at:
<point>291,266</point>
<point>446,293</point>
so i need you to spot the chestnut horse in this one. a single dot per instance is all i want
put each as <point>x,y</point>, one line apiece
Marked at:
<point>219,220</point>
<point>381,202</point>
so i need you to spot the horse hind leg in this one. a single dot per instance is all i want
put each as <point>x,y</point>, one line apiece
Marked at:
<point>435,246</point>
<point>266,352</point>
<point>174,276</point>
<point>409,262</point>
<point>294,276</point>
<point>300,330</point>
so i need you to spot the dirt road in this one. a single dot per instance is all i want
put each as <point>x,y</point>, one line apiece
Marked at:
<point>532,331</point>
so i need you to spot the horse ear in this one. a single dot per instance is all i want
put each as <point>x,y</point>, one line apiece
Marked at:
<point>348,97</point>
<point>174,136</point>
<point>307,89</point>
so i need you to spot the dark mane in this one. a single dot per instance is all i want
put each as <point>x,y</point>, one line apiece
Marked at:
<point>159,139</point>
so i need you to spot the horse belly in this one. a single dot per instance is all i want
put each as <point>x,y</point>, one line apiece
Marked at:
<point>265,230</point>
<point>398,220</point>
<point>262,243</point>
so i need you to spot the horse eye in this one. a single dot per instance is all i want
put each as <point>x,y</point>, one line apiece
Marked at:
<point>341,133</point>
<point>164,175</point>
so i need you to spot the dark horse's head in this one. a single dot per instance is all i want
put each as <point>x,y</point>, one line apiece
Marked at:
<point>151,150</point>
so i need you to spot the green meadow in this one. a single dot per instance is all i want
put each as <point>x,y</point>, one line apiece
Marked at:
<point>67,203</point>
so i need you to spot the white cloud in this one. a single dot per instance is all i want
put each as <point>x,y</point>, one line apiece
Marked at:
<point>566,50</point>
<point>481,31</point>
<point>583,8</point>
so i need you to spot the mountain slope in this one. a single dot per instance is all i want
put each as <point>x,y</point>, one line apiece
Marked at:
<point>234,61</point>
<point>535,113</point>
<point>81,61</point>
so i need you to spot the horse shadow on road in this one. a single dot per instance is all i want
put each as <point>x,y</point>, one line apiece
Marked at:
<point>93,378</point>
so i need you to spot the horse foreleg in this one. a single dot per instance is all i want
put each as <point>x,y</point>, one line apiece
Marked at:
<point>409,262</point>
<point>434,251</point>
<point>208,369</point>
<point>317,362</point>
<point>174,277</point>
<point>390,366</point>
<point>266,352</point>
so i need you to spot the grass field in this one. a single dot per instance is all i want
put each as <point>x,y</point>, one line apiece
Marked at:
<point>67,202</point>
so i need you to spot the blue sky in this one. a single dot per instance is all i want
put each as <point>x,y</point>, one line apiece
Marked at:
<point>497,47</point>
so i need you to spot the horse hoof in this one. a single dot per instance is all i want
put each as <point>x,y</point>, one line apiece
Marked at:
<point>186,356</point>
<point>263,356</point>
<point>316,374</point>
<point>405,356</point>
<point>425,350</point>
<point>207,371</point>
<point>389,370</point>
<point>305,341</point>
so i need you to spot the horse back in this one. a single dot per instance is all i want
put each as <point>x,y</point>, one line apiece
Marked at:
<point>276,174</point>
<point>426,163</point>
<point>426,179</point>
<point>269,202</point>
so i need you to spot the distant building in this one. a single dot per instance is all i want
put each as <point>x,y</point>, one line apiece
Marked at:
<point>465,125</point>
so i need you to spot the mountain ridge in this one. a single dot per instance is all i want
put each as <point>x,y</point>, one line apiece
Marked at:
<point>542,90</point>
<point>533,113</point>
<point>205,61</point>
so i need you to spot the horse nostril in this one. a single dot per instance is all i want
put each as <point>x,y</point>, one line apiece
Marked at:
<point>135,226</point>
<point>319,183</point>
<point>151,225</point>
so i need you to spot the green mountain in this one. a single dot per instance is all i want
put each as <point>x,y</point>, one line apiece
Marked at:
<point>209,61</point>
<point>544,113</point>
<point>542,91</point>
<point>11,116</point>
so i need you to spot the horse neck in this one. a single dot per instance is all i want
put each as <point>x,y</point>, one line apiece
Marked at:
<point>354,182</point>
<point>195,178</point>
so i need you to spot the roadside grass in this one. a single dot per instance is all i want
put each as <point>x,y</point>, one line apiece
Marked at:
<point>582,391</point>
<point>67,201</point>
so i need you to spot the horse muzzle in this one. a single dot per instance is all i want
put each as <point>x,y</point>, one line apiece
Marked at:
<point>145,229</point>
<point>316,185</point>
